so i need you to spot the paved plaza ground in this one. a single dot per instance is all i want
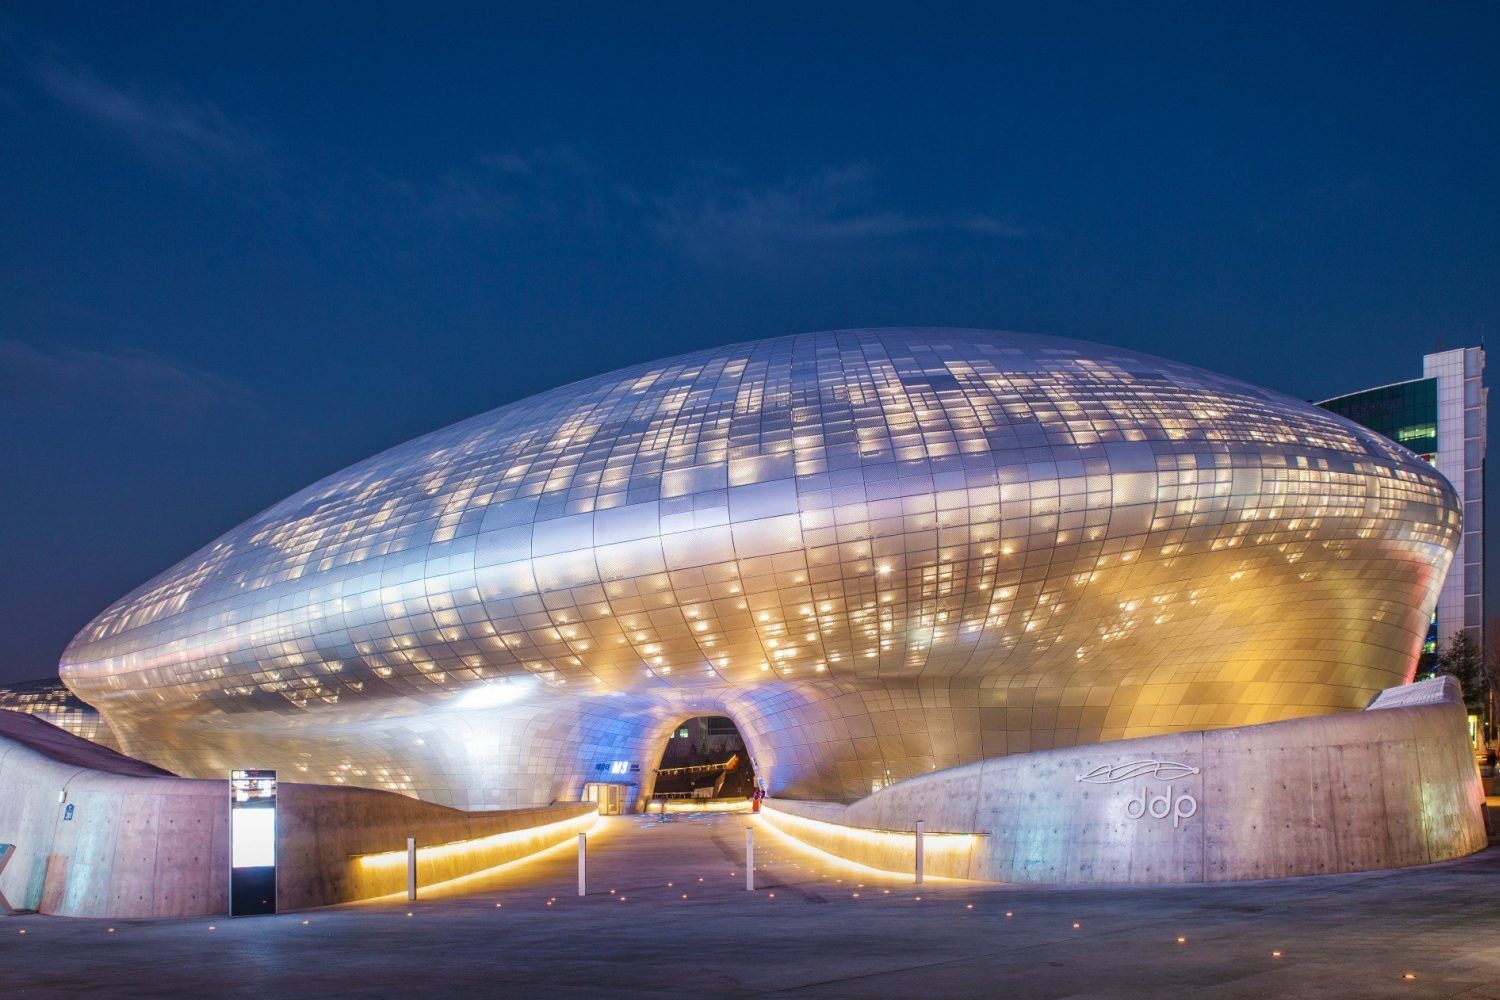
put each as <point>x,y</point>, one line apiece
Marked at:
<point>668,915</point>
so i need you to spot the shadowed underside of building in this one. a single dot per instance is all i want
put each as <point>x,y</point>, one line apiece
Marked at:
<point>880,552</point>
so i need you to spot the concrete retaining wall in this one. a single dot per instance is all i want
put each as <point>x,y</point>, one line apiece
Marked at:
<point>1391,786</point>
<point>140,842</point>
<point>338,844</point>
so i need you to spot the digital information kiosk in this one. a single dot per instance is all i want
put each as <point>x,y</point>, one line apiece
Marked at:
<point>252,842</point>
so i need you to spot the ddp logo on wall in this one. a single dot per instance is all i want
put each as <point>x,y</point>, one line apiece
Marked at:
<point>1147,803</point>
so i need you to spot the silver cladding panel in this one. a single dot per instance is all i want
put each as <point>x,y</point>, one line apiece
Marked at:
<point>882,552</point>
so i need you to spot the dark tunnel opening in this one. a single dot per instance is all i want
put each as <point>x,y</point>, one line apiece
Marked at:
<point>705,759</point>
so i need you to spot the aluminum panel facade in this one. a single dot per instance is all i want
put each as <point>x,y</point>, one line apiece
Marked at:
<point>881,552</point>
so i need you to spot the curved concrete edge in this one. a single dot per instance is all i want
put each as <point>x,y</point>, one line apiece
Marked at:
<point>1392,786</point>
<point>148,844</point>
<point>56,743</point>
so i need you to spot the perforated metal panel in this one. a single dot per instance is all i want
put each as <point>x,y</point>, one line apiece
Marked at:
<point>880,551</point>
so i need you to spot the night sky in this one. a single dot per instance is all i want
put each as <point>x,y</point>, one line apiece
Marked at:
<point>243,246</point>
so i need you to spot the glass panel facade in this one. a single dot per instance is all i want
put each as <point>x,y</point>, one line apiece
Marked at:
<point>1406,413</point>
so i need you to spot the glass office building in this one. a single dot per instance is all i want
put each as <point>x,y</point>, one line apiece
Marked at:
<point>1406,413</point>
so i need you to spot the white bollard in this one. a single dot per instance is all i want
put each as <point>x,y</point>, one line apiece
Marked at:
<point>411,869</point>
<point>749,859</point>
<point>919,852</point>
<point>583,860</point>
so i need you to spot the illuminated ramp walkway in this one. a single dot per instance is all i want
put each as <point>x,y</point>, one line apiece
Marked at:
<point>684,857</point>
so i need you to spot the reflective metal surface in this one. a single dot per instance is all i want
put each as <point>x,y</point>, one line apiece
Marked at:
<point>881,552</point>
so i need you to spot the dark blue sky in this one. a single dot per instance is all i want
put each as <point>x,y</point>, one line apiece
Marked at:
<point>246,245</point>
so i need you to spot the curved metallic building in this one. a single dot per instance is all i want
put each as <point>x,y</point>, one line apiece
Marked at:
<point>881,552</point>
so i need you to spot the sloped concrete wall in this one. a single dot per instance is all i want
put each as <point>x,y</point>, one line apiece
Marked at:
<point>1391,786</point>
<point>144,843</point>
<point>140,843</point>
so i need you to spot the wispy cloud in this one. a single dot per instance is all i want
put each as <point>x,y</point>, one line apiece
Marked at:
<point>136,379</point>
<point>708,215</point>
<point>512,187</point>
<point>714,216</point>
<point>172,129</point>
<point>538,162</point>
<point>553,190</point>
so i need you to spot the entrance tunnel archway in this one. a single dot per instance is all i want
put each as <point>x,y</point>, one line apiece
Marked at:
<point>704,758</point>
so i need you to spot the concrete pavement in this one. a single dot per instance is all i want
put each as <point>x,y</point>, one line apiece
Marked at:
<point>815,927</point>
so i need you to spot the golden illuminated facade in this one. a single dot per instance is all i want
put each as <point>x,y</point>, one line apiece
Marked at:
<point>880,552</point>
